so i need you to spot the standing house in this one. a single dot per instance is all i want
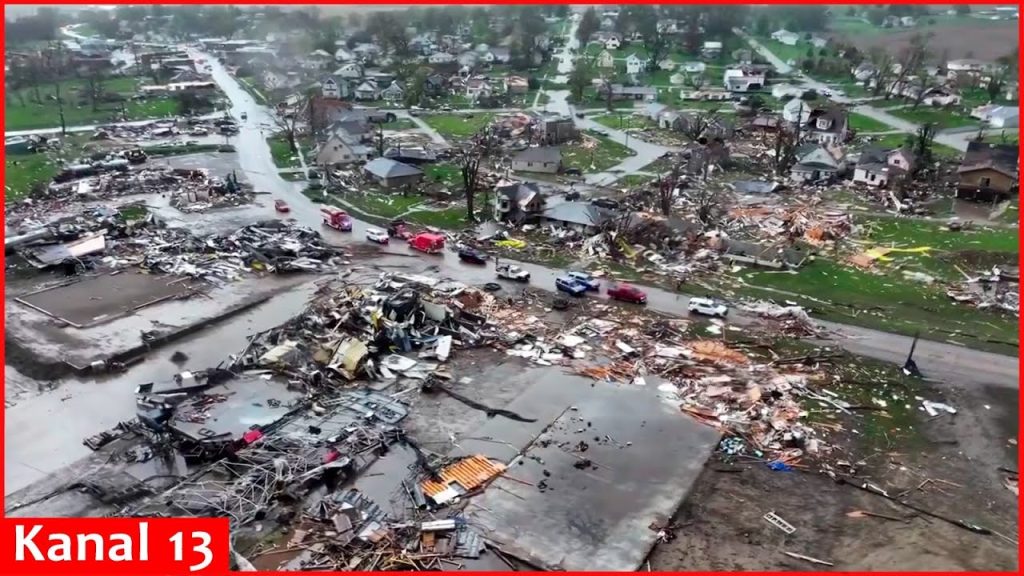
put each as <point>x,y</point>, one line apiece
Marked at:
<point>605,60</point>
<point>667,64</point>
<point>988,172</point>
<point>879,168</point>
<point>350,70</point>
<point>394,92</point>
<point>580,216</point>
<point>367,91</point>
<point>498,55</point>
<point>634,64</point>
<point>815,162</point>
<point>518,202</point>
<point>694,67</point>
<point>334,88</point>
<point>558,129</point>
<point>613,43</point>
<point>544,159</point>
<point>391,174</point>
<point>341,148</point>
<point>319,59</point>
<point>712,49</point>
<point>828,125</point>
<point>997,116</point>
<point>797,110</point>
<point>786,37</point>
<point>743,80</point>
<point>343,54</point>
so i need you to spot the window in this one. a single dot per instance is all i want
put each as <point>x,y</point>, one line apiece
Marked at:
<point>985,182</point>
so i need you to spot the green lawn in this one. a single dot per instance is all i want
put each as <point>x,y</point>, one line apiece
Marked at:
<point>861,123</point>
<point>890,141</point>
<point>785,52</point>
<point>400,124</point>
<point>281,150</point>
<point>385,205</point>
<point>885,301</point>
<point>634,180</point>
<point>453,218</point>
<point>1002,138</point>
<point>22,171</point>
<point>444,173</point>
<point>906,233</point>
<point>458,125</point>
<point>941,118</point>
<point>21,112</point>
<point>595,158</point>
<point>623,121</point>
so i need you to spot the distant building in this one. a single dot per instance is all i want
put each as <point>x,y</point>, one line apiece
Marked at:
<point>988,172</point>
<point>786,37</point>
<point>545,159</point>
<point>392,174</point>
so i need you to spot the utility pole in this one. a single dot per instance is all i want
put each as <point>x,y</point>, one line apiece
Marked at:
<point>57,80</point>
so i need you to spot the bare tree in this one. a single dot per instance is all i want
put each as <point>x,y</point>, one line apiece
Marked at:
<point>288,126</point>
<point>707,204</point>
<point>666,189</point>
<point>911,59</point>
<point>94,87</point>
<point>785,147</point>
<point>882,62</point>
<point>471,158</point>
<point>696,125</point>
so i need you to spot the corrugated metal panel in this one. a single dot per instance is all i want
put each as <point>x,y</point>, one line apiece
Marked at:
<point>469,473</point>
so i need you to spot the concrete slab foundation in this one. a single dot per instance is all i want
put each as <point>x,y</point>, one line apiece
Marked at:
<point>562,507</point>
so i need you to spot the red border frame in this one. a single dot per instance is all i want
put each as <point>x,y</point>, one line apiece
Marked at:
<point>1020,29</point>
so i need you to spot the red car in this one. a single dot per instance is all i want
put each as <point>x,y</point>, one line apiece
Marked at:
<point>627,293</point>
<point>281,206</point>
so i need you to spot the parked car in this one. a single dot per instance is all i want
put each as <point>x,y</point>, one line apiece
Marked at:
<point>570,286</point>
<point>377,235</point>
<point>281,206</point>
<point>512,272</point>
<point>707,307</point>
<point>472,255</point>
<point>585,279</point>
<point>627,293</point>
<point>580,114</point>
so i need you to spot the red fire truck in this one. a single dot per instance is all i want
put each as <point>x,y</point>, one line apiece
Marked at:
<point>336,218</point>
<point>427,242</point>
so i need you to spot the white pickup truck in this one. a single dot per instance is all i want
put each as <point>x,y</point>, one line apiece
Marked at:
<point>512,272</point>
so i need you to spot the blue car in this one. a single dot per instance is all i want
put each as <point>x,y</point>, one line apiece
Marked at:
<point>570,285</point>
<point>586,280</point>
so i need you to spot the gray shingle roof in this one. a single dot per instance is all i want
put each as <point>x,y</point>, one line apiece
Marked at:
<point>387,168</point>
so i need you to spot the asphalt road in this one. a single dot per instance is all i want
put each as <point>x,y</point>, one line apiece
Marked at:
<point>936,359</point>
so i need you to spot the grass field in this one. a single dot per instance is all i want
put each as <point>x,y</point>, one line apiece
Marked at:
<point>605,154</point>
<point>861,123</point>
<point>906,233</point>
<point>458,125</point>
<point>784,51</point>
<point>281,150</point>
<point>400,124</point>
<point>885,302</point>
<point>22,112</point>
<point>941,118</point>
<point>444,173</point>
<point>22,171</point>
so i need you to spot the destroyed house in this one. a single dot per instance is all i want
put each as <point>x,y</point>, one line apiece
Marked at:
<point>988,172</point>
<point>760,255</point>
<point>518,202</point>
<point>392,174</point>
<point>556,130</point>
<point>546,159</point>
<point>876,167</point>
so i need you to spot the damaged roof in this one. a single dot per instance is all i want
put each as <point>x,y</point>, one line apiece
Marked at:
<point>387,168</point>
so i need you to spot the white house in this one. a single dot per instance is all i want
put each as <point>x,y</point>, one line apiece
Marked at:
<point>878,168</point>
<point>816,162</point>
<point>634,65</point>
<point>612,43</point>
<point>786,37</point>
<point>393,93</point>
<point>468,58</point>
<point>940,97</point>
<point>319,58</point>
<point>741,80</point>
<point>966,66</point>
<point>667,64</point>
<point>440,58</point>
<point>677,79</point>
<point>330,88</point>
<point>343,55</point>
<point>605,60</point>
<point>497,56</point>
<point>367,91</point>
<point>694,67</point>
<point>711,49</point>
<point>819,42</point>
<point>350,70</point>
